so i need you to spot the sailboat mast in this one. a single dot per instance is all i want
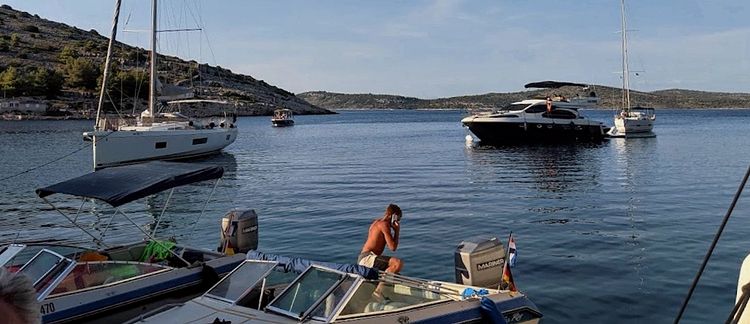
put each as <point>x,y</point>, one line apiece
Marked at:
<point>152,77</point>
<point>105,77</point>
<point>625,70</point>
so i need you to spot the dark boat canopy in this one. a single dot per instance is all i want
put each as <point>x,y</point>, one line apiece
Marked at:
<point>121,185</point>
<point>553,84</point>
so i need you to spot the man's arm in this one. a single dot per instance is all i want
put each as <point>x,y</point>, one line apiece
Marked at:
<point>390,239</point>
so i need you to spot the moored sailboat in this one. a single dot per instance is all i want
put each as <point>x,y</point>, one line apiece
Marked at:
<point>154,135</point>
<point>629,121</point>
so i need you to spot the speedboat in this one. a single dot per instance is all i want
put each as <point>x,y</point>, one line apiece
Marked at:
<point>535,120</point>
<point>107,280</point>
<point>268,288</point>
<point>282,117</point>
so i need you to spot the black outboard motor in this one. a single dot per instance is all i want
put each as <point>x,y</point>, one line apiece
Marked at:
<point>239,231</point>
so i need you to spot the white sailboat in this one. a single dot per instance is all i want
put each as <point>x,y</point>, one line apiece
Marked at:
<point>629,121</point>
<point>154,136</point>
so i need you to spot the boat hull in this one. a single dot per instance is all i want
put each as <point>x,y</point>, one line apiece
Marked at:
<point>127,299</point>
<point>113,148</point>
<point>519,131</point>
<point>518,309</point>
<point>632,127</point>
<point>282,122</point>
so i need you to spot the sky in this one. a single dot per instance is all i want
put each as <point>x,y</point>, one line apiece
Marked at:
<point>441,48</point>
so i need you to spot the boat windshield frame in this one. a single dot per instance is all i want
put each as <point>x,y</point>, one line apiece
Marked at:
<point>52,276</point>
<point>249,284</point>
<point>313,306</point>
<point>9,252</point>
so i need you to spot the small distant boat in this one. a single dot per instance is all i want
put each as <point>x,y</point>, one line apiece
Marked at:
<point>629,121</point>
<point>107,281</point>
<point>535,120</point>
<point>275,289</point>
<point>282,118</point>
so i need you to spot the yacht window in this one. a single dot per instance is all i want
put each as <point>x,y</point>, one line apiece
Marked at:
<point>305,292</point>
<point>536,109</point>
<point>561,114</point>
<point>197,141</point>
<point>516,107</point>
<point>161,145</point>
<point>234,285</point>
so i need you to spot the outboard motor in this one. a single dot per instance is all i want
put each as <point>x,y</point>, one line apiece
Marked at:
<point>479,262</point>
<point>239,231</point>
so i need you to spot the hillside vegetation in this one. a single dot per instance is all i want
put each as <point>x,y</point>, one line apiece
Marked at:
<point>52,61</point>
<point>609,98</point>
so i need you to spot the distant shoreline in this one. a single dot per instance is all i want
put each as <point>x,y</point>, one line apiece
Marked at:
<point>18,117</point>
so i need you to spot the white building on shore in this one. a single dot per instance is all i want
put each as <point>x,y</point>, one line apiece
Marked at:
<point>22,105</point>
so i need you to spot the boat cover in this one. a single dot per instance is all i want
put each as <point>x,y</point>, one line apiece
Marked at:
<point>552,84</point>
<point>292,264</point>
<point>121,185</point>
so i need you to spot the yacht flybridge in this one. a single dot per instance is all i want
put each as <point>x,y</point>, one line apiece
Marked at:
<point>154,135</point>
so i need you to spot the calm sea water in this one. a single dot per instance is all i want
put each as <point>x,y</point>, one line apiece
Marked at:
<point>609,233</point>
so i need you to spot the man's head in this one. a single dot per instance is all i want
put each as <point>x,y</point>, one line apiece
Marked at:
<point>18,299</point>
<point>392,210</point>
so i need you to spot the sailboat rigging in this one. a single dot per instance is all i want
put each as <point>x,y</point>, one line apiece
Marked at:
<point>155,135</point>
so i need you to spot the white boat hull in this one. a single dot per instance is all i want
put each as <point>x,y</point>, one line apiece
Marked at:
<point>632,126</point>
<point>124,147</point>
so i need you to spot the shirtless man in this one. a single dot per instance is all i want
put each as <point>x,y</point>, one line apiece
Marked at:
<point>378,237</point>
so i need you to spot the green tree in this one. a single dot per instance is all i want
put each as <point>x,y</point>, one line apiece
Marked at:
<point>46,82</point>
<point>68,52</point>
<point>82,73</point>
<point>9,81</point>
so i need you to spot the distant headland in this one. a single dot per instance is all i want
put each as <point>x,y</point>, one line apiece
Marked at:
<point>609,98</point>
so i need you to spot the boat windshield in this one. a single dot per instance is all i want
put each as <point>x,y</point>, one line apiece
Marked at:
<point>306,293</point>
<point>98,273</point>
<point>396,295</point>
<point>16,255</point>
<point>242,279</point>
<point>45,270</point>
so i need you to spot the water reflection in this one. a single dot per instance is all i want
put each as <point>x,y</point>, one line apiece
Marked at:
<point>550,168</point>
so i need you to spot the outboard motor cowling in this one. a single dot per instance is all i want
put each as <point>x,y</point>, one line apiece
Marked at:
<point>239,230</point>
<point>479,262</point>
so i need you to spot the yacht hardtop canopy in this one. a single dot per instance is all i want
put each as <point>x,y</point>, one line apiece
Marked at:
<point>120,185</point>
<point>553,84</point>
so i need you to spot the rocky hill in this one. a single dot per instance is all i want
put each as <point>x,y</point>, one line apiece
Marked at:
<point>609,98</point>
<point>62,65</point>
